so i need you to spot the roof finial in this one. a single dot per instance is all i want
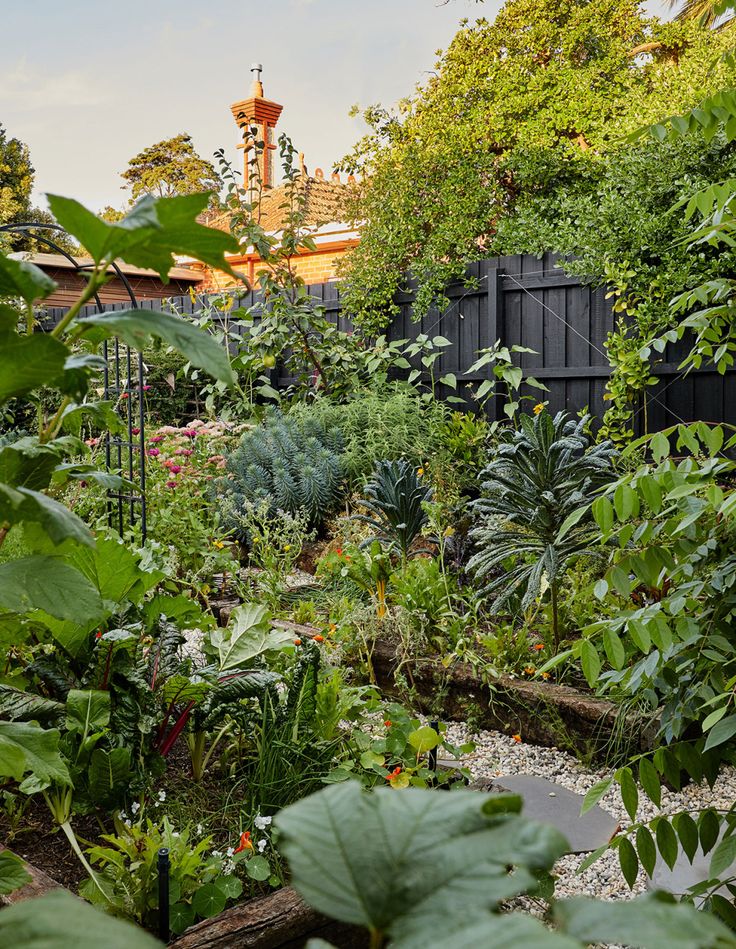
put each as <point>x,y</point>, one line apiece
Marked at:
<point>257,87</point>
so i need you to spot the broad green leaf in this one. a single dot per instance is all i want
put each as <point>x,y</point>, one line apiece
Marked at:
<point>652,922</point>
<point>137,327</point>
<point>628,860</point>
<point>27,464</point>
<point>109,774</point>
<point>722,731</point>
<point>181,917</point>
<point>26,748</point>
<point>392,860</point>
<point>45,583</point>
<point>27,362</point>
<point>490,931</point>
<point>615,651</point>
<point>603,514</point>
<point>23,506</point>
<point>594,795</point>
<point>649,780</point>
<point>208,900</point>
<point>709,828</point>
<point>667,842</point>
<point>19,278</point>
<point>87,711</point>
<point>646,849</point>
<point>723,856</point>
<point>249,635</point>
<point>258,868</point>
<point>150,234</point>
<point>449,379</point>
<point>629,792</point>
<point>17,706</point>
<point>13,874</point>
<point>660,446</point>
<point>59,920</point>
<point>590,661</point>
<point>423,739</point>
<point>651,492</point>
<point>687,831</point>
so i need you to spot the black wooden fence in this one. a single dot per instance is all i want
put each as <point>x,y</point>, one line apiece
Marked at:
<point>529,301</point>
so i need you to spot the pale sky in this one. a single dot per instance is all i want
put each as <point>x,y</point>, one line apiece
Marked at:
<point>88,83</point>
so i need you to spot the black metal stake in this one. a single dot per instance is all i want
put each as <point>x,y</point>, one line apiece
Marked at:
<point>164,864</point>
<point>432,760</point>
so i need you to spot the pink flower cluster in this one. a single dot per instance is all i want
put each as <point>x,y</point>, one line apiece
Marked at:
<point>175,450</point>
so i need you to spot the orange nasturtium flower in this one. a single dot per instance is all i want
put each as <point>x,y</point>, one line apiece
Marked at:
<point>297,642</point>
<point>318,638</point>
<point>538,646</point>
<point>387,723</point>
<point>393,775</point>
<point>245,842</point>
<point>517,739</point>
<point>530,670</point>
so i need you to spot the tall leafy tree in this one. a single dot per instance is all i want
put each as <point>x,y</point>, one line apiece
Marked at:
<point>170,167</point>
<point>16,178</point>
<point>548,84</point>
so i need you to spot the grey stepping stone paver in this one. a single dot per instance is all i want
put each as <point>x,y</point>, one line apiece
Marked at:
<point>684,874</point>
<point>554,804</point>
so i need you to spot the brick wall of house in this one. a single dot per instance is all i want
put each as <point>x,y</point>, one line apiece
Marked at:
<point>313,267</point>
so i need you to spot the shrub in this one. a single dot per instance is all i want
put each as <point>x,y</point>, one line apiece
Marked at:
<point>540,476</point>
<point>292,463</point>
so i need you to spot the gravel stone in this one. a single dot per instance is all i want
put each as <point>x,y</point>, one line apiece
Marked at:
<point>497,754</point>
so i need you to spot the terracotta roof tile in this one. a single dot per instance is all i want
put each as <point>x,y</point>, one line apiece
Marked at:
<point>325,204</point>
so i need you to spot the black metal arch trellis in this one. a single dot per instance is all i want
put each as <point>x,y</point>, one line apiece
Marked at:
<point>123,385</point>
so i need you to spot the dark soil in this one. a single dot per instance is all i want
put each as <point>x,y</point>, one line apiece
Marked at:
<point>46,847</point>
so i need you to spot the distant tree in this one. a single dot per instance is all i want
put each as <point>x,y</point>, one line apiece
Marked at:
<point>168,168</point>
<point>16,179</point>
<point>16,184</point>
<point>111,214</point>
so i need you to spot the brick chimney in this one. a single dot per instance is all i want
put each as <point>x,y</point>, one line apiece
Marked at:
<point>255,110</point>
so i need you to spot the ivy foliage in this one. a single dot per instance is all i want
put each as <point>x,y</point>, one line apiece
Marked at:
<point>516,105</point>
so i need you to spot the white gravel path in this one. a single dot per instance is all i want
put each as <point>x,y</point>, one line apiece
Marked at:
<point>496,754</point>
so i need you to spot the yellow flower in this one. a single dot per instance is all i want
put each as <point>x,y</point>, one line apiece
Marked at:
<point>517,738</point>
<point>420,471</point>
<point>256,539</point>
<point>539,407</point>
<point>545,675</point>
<point>287,546</point>
<point>217,544</point>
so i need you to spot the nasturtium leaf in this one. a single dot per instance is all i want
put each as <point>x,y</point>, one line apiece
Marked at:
<point>137,327</point>
<point>257,868</point>
<point>208,901</point>
<point>13,874</point>
<point>230,885</point>
<point>181,917</point>
<point>27,362</point>
<point>45,583</point>
<point>423,739</point>
<point>19,278</point>
<point>59,920</point>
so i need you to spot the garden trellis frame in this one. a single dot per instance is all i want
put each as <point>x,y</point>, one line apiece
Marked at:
<point>122,383</point>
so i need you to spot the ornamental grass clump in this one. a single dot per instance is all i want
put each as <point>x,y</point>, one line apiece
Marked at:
<point>534,516</point>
